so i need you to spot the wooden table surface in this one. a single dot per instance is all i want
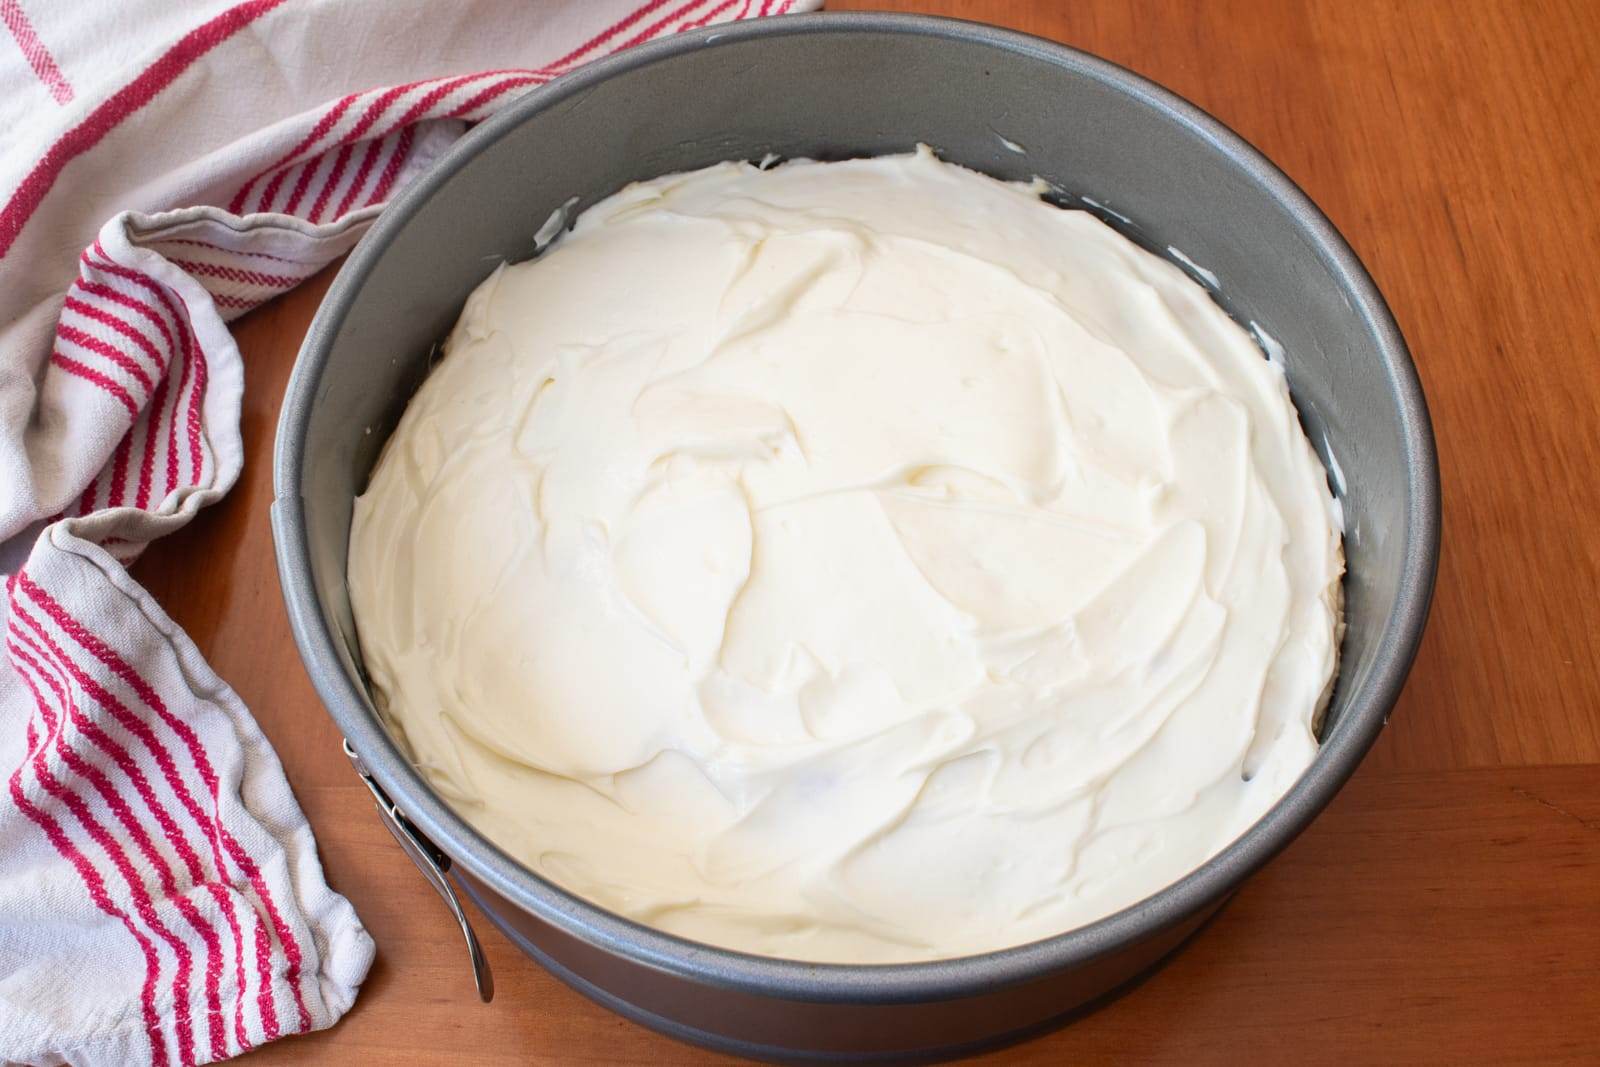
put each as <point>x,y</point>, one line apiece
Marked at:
<point>1446,907</point>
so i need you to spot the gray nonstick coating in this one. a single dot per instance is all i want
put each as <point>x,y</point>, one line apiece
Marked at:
<point>831,86</point>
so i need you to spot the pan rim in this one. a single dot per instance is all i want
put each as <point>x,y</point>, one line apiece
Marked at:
<point>1341,752</point>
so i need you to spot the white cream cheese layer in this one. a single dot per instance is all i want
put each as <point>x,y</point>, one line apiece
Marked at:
<point>857,562</point>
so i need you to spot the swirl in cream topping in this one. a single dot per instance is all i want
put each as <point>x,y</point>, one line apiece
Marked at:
<point>855,562</point>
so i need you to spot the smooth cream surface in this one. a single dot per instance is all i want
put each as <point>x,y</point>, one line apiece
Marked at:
<point>859,562</point>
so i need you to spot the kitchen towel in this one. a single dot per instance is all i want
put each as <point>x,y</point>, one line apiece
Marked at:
<point>164,168</point>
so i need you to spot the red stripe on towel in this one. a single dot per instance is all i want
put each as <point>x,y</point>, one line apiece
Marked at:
<point>116,108</point>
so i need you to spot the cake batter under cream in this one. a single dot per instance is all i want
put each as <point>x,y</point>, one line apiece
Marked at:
<point>857,562</point>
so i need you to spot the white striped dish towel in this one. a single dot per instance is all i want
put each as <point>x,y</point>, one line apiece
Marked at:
<point>161,900</point>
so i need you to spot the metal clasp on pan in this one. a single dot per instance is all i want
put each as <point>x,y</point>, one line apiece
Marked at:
<point>433,864</point>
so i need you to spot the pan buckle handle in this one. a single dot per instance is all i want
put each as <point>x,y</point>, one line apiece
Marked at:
<point>433,864</point>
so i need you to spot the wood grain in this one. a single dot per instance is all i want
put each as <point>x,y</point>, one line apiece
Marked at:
<point>1447,906</point>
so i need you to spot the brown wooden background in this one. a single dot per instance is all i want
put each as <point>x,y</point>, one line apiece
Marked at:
<point>1447,906</point>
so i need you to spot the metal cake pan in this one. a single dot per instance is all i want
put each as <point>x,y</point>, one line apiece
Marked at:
<point>831,86</point>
